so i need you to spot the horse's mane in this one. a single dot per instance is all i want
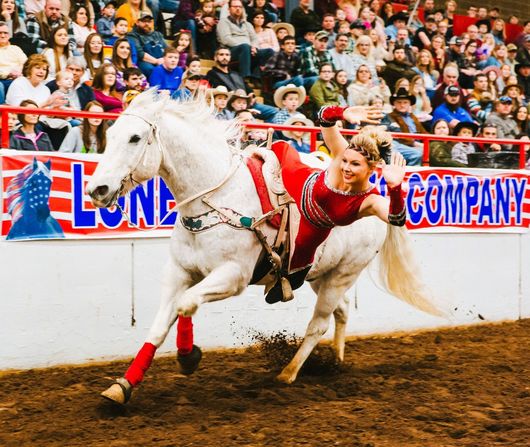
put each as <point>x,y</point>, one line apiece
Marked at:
<point>16,187</point>
<point>197,111</point>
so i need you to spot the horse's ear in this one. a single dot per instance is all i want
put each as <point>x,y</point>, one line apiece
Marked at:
<point>48,164</point>
<point>35,163</point>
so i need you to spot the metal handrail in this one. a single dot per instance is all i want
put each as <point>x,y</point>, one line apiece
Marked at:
<point>314,131</point>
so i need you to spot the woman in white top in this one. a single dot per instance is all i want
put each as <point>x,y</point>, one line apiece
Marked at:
<point>363,88</point>
<point>57,52</point>
<point>32,85</point>
<point>89,137</point>
<point>80,25</point>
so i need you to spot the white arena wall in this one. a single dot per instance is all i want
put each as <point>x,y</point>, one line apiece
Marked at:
<point>74,301</point>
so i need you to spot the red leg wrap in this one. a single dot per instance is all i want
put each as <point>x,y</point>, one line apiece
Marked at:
<point>140,364</point>
<point>184,335</point>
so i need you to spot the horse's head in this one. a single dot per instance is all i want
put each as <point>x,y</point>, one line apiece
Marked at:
<point>133,153</point>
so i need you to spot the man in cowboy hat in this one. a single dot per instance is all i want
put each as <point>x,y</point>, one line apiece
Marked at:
<point>284,66</point>
<point>288,99</point>
<point>451,109</point>
<point>523,77</point>
<point>401,119</point>
<point>220,96</point>
<point>397,21</point>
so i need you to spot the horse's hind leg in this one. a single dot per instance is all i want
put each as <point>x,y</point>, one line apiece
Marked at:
<point>174,281</point>
<point>328,296</point>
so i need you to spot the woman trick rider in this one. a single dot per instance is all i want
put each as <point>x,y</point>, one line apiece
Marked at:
<point>342,193</point>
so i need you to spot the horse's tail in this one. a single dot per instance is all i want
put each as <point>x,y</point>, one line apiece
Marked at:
<point>399,271</point>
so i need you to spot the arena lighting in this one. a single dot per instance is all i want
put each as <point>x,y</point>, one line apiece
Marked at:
<point>425,138</point>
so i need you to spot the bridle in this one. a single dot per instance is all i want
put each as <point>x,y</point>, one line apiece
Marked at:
<point>154,134</point>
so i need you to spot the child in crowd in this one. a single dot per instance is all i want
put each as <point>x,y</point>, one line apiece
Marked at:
<point>462,149</point>
<point>105,24</point>
<point>133,79</point>
<point>26,137</point>
<point>206,21</point>
<point>239,100</point>
<point>295,138</point>
<point>119,30</point>
<point>184,46</point>
<point>168,75</point>
<point>220,95</point>
<point>288,99</point>
<point>65,83</point>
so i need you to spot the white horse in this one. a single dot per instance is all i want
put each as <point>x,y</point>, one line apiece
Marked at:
<point>195,153</point>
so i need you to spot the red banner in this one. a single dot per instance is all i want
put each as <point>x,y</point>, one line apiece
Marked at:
<point>43,197</point>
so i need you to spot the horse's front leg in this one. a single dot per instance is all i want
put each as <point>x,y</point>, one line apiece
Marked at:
<point>229,279</point>
<point>174,281</point>
<point>341,320</point>
<point>330,292</point>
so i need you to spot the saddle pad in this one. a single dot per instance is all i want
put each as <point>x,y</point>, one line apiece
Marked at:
<point>255,167</point>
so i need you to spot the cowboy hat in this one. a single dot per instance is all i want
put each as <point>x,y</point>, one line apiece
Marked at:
<point>217,91</point>
<point>509,86</point>
<point>466,125</point>
<point>297,118</point>
<point>238,94</point>
<point>399,16</point>
<point>403,94</point>
<point>287,26</point>
<point>280,93</point>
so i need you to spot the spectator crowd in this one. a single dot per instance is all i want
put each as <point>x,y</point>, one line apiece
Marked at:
<point>97,55</point>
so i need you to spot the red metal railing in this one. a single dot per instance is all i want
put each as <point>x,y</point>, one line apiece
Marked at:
<point>313,131</point>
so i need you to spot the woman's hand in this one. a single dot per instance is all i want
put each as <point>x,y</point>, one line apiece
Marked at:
<point>394,172</point>
<point>363,114</point>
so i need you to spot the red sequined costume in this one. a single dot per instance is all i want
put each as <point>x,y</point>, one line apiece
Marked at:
<point>321,206</point>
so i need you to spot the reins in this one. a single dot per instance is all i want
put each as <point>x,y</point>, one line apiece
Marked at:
<point>154,134</point>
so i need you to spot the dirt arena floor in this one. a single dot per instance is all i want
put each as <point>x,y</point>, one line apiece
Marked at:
<point>462,387</point>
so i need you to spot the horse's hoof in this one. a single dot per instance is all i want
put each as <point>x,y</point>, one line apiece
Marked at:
<point>190,362</point>
<point>285,378</point>
<point>119,392</point>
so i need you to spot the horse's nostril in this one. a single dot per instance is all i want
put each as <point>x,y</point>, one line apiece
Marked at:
<point>101,191</point>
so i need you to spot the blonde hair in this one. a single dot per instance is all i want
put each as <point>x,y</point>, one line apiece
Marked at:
<point>367,147</point>
<point>380,141</point>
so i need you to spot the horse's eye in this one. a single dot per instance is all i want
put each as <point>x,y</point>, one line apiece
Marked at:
<point>134,139</point>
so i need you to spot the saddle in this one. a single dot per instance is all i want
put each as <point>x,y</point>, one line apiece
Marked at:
<point>279,211</point>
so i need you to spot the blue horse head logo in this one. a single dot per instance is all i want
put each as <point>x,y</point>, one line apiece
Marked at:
<point>27,198</point>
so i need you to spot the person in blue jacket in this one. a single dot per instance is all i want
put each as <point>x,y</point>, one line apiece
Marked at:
<point>451,109</point>
<point>167,76</point>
